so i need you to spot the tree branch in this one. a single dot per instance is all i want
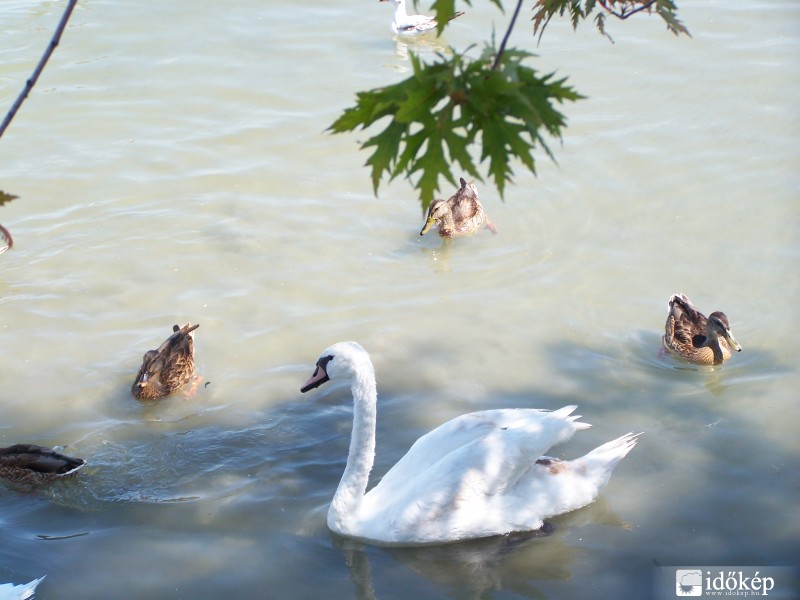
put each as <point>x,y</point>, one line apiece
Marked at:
<point>626,12</point>
<point>506,36</point>
<point>39,68</point>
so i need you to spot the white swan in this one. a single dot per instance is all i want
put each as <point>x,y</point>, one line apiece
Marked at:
<point>478,475</point>
<point>405,24</point>
<point>9,591</point>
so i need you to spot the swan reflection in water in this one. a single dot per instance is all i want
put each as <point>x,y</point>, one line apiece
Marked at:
<point>426,44</point>
<point>474,568</point>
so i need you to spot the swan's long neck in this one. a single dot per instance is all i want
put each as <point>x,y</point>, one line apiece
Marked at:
<point>347,499</point>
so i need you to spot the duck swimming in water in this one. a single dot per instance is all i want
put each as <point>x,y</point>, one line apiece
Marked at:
<point>695,338</point>
<point>168,368</point>
<point>461,214</point>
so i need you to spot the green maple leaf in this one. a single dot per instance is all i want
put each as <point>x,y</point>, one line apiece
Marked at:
<point>442,110</point>
<point>6,197</point>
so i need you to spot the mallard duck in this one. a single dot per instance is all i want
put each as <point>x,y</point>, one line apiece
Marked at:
<point>693,337</point>
<point>478,475</point>
<point>168,368</point>
<point>459,215</point>
<point>27,463</point>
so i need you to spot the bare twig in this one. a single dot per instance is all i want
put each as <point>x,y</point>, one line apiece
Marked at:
<point>627,11</point>
<point>506,36</point>
<point>39,68</point>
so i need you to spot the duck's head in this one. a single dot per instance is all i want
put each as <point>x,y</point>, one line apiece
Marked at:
<point>719,327</point>
<point>148,382</point>
<point>436,212</point>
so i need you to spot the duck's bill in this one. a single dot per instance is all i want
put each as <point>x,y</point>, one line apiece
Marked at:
<point>427,227</point>
<point>317,379</point>
<point>732,341</point>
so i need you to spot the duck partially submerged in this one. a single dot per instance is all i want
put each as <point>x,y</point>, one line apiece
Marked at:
<point>461,214</point>
<point>168,368</point>
<point>28,463</point>
<point>695,338</point>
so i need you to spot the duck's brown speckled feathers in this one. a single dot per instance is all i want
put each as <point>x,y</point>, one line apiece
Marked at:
<point>27,463</point>
<point>459,215</point>
<point>168,368</point>
<point>700,340</point>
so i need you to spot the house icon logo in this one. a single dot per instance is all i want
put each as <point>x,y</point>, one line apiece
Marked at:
<point>688,582</point>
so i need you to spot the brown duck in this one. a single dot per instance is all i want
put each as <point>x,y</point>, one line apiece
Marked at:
<point>168,368</point>
<point>459,215</point>
<point>27,463</point>
<point>700,340</point>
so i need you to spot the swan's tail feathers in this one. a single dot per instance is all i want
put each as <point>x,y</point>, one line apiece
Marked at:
<point>603,459</point>
<point>595,468</point>
<point>566,414</point>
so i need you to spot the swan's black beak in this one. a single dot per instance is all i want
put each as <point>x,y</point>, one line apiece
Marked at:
<point>319,377</point>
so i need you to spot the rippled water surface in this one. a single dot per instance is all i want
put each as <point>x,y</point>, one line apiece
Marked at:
<point>172,166</point>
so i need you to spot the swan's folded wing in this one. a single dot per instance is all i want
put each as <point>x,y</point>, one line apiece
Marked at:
<point>460,494</point>
<point>540,429</point>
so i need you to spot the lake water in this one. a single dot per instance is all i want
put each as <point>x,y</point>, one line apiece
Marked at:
<point>172,166</point>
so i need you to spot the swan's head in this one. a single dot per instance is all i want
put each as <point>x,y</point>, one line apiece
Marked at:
<point>337,361</point>
<point>718,326</point>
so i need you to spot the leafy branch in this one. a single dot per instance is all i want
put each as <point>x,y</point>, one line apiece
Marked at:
<point>494,102</point>
<point>438,112</point>
<point>580,10</point>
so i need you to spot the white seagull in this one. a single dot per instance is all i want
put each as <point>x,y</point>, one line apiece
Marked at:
<point>405,24</point>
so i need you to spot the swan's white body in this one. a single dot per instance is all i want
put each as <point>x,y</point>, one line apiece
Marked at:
<point>478,475</point>
<point>405,24</point>
<point>9,591</point>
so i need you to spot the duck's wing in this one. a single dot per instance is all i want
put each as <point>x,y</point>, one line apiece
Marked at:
<point>465,200</point>
<point>30,457</point>
<point>686,324</point>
